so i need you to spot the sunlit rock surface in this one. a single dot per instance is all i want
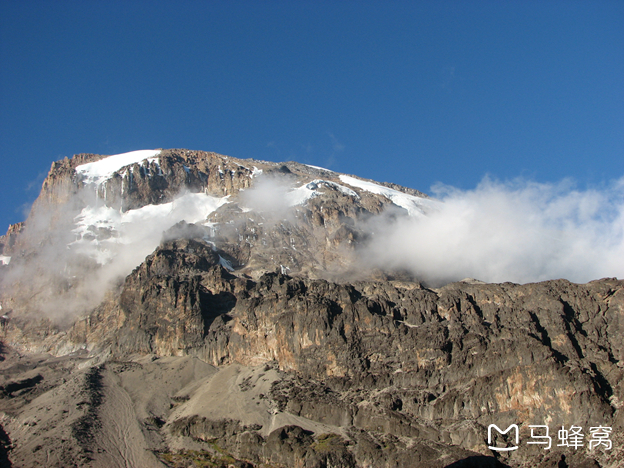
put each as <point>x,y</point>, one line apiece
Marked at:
<point>191,307</point>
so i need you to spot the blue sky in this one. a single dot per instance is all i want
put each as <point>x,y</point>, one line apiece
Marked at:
<point>414,93</point>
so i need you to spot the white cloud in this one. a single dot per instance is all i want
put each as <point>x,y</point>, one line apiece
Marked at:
<point>80,258</point>
<point>518,231</point>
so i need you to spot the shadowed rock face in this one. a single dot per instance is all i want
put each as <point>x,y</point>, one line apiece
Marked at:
<point>212,354</point>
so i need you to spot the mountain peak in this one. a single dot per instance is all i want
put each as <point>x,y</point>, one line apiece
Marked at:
<point>234,306</point>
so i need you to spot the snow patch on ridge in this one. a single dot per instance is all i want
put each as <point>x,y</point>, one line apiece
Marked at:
<point>104,233</point>
<point>340,188</point>
<point>413,205</point>
<point>302,194</point>
<point>319,168</point>
<point>99,171</point>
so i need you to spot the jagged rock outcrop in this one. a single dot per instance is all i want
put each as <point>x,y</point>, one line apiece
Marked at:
<point>7,241</point>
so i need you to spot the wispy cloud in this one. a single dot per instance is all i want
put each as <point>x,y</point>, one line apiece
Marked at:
<point>336,145</point>
<point>36,182</point>
<point>24,209</point>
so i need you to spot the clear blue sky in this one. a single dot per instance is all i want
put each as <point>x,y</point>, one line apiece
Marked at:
<point>409,92</point>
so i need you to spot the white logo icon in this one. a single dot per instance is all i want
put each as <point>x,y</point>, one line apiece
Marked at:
<point>498,429</point>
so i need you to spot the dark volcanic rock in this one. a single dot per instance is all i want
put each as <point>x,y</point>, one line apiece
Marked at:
<point>383,373</point>
<point>390,357</point>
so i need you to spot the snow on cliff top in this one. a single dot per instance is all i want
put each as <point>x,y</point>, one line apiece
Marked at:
<point>301,195</point>
<point>413,205</point>
<point>140,229</point>
<point>99,171</point>
<point>319,168</point>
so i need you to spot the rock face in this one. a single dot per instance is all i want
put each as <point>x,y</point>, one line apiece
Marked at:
<point>233,343</point>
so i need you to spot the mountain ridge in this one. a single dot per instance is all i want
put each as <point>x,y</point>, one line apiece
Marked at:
<point>257,285</point>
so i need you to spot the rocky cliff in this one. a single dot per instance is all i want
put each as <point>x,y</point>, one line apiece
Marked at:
<point>254,334</point>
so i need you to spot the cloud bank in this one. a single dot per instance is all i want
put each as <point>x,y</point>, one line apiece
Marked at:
<point>518,231</point>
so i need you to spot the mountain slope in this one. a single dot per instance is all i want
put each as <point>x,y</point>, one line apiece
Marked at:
<point>172,306</point>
